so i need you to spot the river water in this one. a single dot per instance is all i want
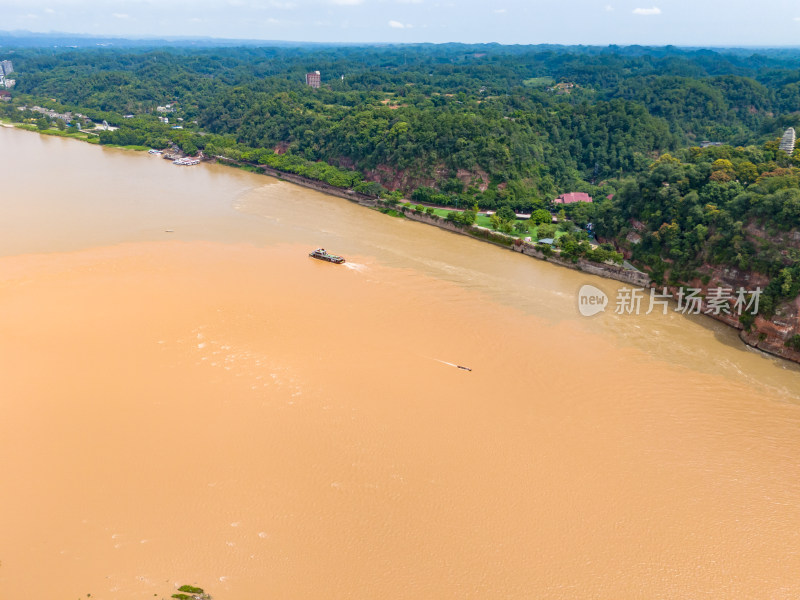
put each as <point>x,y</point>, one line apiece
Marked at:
<point>186,397</point>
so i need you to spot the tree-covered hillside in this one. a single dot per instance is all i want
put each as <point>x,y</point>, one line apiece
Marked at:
<point>431,110</point>
<point>486,125</point>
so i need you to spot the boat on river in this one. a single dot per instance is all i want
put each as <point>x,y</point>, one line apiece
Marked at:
<point>321,254</point>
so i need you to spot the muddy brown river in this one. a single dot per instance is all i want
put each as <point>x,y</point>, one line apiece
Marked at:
<point>209,406</point>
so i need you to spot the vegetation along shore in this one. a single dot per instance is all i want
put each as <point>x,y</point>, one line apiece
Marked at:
<point>683,152</point>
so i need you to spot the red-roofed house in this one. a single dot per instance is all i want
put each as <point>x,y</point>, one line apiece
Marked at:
<point>573,197</point>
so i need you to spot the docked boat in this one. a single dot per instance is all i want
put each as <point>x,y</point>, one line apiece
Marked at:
<point>320,254</point>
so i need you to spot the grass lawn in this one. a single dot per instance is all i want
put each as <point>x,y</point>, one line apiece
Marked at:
<point>92,138</point>
<point>136,148</point>
<point>538,81</point>
<point>78,135</point>
<point>484,221</point>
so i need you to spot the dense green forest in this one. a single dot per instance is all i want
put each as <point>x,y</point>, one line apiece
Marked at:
<point>486,125</point>
<point>429,111</point>
<point>715,206</point>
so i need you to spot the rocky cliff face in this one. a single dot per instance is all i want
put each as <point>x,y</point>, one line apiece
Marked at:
<point>771,335</point>
<point>787,239</point>
<point>767,334</point>
<point>403,179</point>
<point>407,180</point>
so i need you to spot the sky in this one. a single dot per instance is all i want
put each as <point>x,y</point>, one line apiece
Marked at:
<point>649,22</point>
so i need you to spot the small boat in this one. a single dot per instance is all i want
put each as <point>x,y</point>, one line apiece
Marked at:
<point>186,162</point>
<point>320,254</point>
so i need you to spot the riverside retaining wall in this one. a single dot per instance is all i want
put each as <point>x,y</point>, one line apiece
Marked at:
<point>636,278</point>
<point>313,184</point>
<point>628,276</point>
<point>632,277</point>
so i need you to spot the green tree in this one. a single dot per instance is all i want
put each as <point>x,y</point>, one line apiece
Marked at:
<point>746,172</point>
<point>506,213</point>
<point>540,216</point>
<point>546,231</point>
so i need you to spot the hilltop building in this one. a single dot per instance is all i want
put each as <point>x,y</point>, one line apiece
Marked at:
<point>788,141</point>
<point>562,88</point>
<point>313,79</point>
<point>573,197</point>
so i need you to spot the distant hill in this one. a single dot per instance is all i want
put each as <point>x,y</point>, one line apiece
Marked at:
<point>29,39</point>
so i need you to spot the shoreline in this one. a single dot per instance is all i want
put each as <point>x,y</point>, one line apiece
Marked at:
<point>498,239</point>
<point>636,278</point>
<point>617,273</point>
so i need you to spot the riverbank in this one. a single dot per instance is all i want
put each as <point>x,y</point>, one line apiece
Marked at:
<point>90,137</point>
<point>629,276</point>
<point>768,336</point>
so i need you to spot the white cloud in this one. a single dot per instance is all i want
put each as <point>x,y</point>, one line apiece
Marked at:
<point>499,11</point>
<point>647,11</point>
<point>397,25</point>
<point>347,2</point>
<point>121,16</point>
<point>409,1</point>
<point>49,11</point>
<point>609,8</point>
<point>797,18</point>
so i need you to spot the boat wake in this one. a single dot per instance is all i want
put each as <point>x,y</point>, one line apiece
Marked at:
<point>355,266</point>
<point>444,362</point>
